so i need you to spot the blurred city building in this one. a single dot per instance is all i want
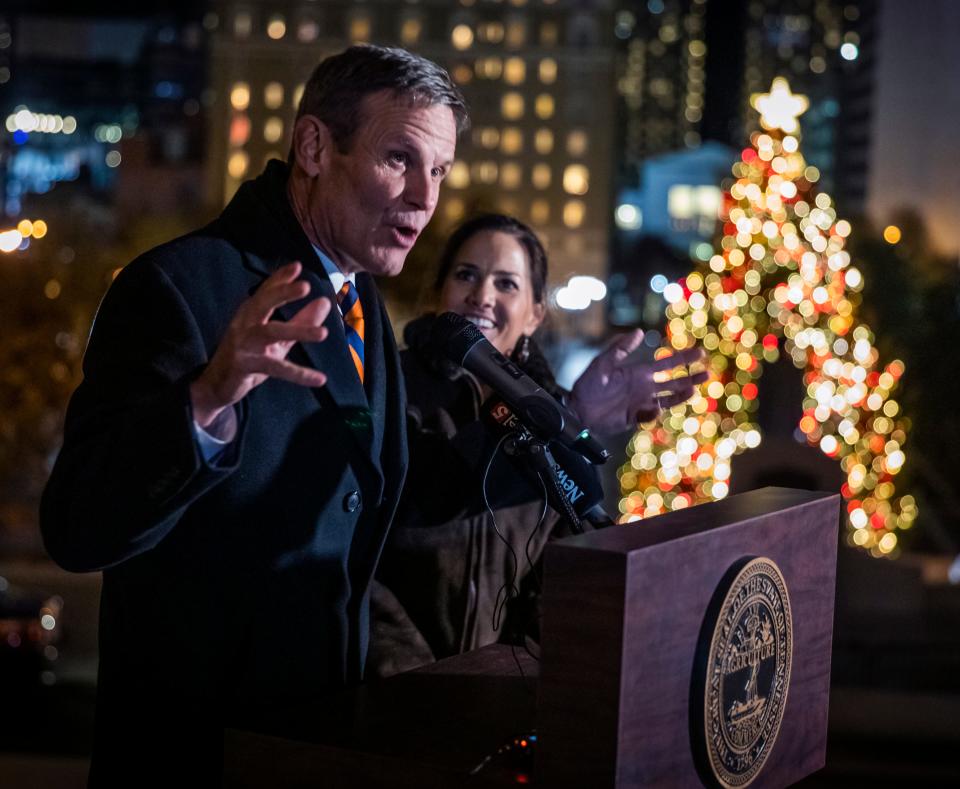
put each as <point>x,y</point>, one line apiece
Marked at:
<point>686,72</point>
<point>537,74</point>
<point>82,89</point>
<point>100,157</point>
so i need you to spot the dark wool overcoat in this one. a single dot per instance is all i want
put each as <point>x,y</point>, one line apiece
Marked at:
<point>235,590</point>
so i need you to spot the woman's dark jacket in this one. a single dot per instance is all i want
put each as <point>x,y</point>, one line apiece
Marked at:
<point>444,567</point>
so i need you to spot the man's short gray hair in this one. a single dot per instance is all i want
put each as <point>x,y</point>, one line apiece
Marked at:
<point>336,89</point>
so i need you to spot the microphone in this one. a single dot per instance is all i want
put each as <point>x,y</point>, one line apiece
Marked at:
<point>454,337</point>
<point>577,483</point>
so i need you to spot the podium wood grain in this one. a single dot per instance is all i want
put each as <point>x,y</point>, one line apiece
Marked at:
<point>622,612</point>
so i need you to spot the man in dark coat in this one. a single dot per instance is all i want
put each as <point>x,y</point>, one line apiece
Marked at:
<point>234,455</point>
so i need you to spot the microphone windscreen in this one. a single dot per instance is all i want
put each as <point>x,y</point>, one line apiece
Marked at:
<point>452,336</point>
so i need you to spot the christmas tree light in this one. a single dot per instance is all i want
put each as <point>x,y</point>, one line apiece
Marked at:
<point>781,278</point>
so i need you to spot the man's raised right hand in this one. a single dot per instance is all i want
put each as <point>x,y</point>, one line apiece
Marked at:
<point>255,348</point>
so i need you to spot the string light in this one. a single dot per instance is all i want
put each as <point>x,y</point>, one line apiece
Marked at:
<point>781,281</point>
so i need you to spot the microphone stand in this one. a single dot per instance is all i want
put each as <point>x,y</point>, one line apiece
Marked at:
<point>537,456</point>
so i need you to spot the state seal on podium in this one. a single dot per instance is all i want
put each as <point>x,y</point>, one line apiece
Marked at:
<point>747,671</point>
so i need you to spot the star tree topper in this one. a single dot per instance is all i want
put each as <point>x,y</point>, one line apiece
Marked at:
<point>779,109</point>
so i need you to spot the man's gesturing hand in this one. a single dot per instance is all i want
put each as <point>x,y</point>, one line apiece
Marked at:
<point>255,348</point>
<point>617,390</point>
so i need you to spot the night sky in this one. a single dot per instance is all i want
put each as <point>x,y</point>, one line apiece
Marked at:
<point>915,160</point>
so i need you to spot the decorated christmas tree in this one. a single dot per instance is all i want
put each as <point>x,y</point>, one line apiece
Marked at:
<point>781,281</point>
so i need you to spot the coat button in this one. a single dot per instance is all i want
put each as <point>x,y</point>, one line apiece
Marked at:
<point>351,502</point>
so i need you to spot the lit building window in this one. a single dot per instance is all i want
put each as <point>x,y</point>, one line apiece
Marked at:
<point>239,130</point>
<point>307,31</point>
<point>276,27</point>
<point>237,164</point>
<point>462,37</point>
<point>577,142</point>
<point>543,141</point>
<point>410,31</point>
<point>273,129</point>
<point>485,172</point>
<point>511,106</point>
<point>273,95</point>
<point>574,212</point>
<point>549,34</point>
<point>540,212</point>
<point>541,176</point>
<point>516,34</point>
<point>697,204</point>
<point>491,32</point>
<point>680,202</point>
<point>242,24</point>
<point>576,179</point>
<point>511,175</point>
<point>240,96</point>
<point>487,136</point>
<point>297,95</point>
<point>489,68</point>
<point>459,176</point>
<point>544,106</point>
<point>462,74</point>
<point>511,141</point>
<point>454,209</point>
<point>514,71</point>
<point>548,71</point>
<point>360,29</point>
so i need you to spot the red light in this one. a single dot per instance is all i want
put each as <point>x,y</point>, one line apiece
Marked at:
<point>769,342</point>
<point>750,391</point>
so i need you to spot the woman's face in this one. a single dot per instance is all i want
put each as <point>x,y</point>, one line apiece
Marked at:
<point>489,285</point>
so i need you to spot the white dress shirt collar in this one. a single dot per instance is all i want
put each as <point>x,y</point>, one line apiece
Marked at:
<point>337,277</point>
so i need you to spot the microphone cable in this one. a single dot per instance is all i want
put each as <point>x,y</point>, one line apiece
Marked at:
<point>508,589</point>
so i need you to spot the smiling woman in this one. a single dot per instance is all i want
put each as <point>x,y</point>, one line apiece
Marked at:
<point>449,561</point>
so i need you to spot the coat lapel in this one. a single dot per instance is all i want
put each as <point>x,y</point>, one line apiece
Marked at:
<point>374,367</point>
<point>266,246</point>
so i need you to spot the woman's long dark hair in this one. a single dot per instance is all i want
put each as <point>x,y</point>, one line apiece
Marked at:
<point>498,223</point>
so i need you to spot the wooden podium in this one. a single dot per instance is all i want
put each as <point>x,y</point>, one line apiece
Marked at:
<point>690,650</point>
<point>625,619</point>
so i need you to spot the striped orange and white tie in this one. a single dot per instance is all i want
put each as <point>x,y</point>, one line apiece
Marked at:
<point>352,311</point>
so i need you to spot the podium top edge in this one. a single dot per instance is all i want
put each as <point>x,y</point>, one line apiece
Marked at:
<point>688,522</point>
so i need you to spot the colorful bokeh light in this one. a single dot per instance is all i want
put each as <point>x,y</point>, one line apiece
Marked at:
<point>781,281</point>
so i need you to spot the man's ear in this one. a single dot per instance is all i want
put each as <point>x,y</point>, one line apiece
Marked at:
<point>312,145</point>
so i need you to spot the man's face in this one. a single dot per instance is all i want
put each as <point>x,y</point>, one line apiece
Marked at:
<point>372,202</point>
